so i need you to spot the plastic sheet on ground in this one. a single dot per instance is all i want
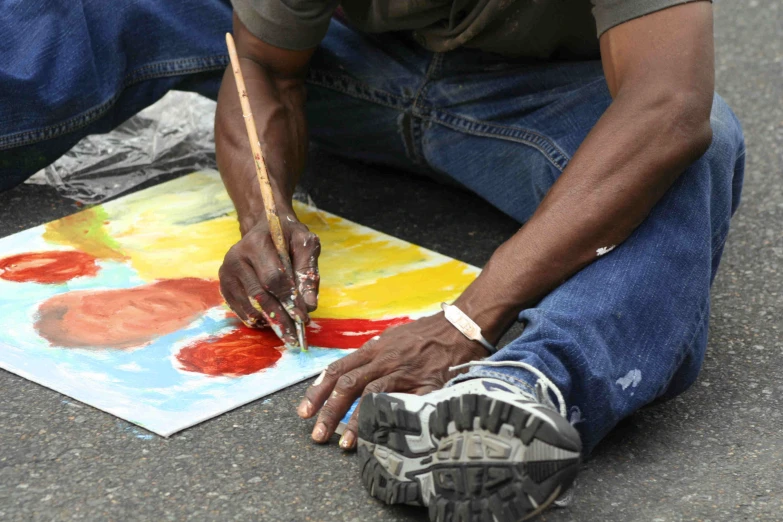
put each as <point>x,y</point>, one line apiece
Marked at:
<point>173,136</point>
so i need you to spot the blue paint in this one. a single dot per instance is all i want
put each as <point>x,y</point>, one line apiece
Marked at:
<point>350,411</point>
<point>135,432</point>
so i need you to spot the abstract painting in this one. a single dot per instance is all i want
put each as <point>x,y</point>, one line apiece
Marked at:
<point>118,306</point>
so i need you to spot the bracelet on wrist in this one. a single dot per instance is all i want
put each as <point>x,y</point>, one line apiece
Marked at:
<point>466,326</point>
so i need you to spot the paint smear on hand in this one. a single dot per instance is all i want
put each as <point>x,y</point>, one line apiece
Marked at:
<point>126,318</point>
<point>49,268</point>
<point>249,350</point>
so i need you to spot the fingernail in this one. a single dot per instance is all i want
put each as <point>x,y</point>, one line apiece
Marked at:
<point>305,408</point>
<point>311,299</point>
<point>347,440</point>
<point>319,433</point>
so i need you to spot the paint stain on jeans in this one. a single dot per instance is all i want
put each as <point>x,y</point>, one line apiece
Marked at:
<point>632,379</point>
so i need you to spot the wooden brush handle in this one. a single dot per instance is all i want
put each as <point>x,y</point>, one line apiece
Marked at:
<point>275,230</point>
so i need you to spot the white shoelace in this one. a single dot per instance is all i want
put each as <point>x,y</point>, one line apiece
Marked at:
<point>544,383</point>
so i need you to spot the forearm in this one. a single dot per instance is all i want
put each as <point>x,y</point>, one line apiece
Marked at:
<point>275,83</point>
<point>625,165</point>
<point>278,108</point>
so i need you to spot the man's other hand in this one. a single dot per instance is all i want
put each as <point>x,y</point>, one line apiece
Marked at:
<point>412,358</point>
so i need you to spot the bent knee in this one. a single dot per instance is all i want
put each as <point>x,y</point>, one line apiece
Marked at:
<point>727,136</point>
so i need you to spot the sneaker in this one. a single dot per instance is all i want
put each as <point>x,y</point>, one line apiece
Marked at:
<point>481,450</point>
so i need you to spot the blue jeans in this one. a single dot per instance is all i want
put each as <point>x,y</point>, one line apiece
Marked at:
<point>70,68</point>
<point>628,329</point>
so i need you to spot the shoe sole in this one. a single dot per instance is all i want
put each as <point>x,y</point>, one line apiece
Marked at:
<point>470,458</point>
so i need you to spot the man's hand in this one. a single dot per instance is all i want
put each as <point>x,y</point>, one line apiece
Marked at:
<point>412,358</point>
<point>257,288</point>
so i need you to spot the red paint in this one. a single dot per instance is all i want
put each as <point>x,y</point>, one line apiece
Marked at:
<point>348,333</point>
<point>250,350</point>
<point>49,268</point>
<point>240,352</point>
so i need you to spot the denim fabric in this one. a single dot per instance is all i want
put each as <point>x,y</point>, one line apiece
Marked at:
<point>70,68</point>
<point>627,330</point>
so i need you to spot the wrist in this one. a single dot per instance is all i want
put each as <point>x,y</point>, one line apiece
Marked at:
<point>462,349</point>
<point>491,313</point>
<point>466,326</point>
<point>255,213</point>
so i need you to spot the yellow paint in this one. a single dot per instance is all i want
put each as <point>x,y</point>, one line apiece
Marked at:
<point>408,292</point>
<point>171,251</point>
<point>85,231</point>
<point>184,228</point>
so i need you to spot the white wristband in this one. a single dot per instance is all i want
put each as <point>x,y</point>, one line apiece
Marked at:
<point>466,325</point>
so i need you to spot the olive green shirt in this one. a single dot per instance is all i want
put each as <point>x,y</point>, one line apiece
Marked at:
<point>543,29</point>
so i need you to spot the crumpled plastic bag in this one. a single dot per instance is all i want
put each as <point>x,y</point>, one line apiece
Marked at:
<point>173,136</point>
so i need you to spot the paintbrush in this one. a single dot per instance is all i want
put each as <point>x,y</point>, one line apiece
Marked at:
<point>275,230</point>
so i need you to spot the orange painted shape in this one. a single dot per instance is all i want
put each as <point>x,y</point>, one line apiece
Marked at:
<point>126,318</point>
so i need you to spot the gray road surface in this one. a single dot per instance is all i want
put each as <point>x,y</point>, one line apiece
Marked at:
<point>716,453</point>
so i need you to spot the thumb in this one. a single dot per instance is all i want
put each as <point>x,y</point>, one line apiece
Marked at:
<point>305,249</point>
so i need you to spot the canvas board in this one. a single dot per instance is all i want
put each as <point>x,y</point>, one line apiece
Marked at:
<point>118,306</point>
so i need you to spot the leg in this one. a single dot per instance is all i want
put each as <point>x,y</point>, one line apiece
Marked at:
<point>631,327</point>
<point>85,67</point>
<point>626,330</point>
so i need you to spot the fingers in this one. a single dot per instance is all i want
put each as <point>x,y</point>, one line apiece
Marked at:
<point>349,386</point>
<point>271,279</point>
<point>424,390</point>
<point>317,394</point>
<point>257,287</point>
<point>247,280</point>
<point>233,294</point>
<point>305,250</point>
<point>381,385</point>
<point>276,317</point>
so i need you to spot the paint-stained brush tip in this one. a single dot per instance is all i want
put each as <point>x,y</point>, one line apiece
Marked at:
<point>301,335</point>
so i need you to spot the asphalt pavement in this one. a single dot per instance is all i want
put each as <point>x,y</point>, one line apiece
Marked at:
<point>713,454</point>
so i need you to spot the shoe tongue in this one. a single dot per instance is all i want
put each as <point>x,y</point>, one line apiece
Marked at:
<point>496,384</point>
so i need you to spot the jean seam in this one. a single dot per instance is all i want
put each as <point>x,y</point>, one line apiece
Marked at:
<point>437,59</point>
<point>715,240</point>
<point>420,113</point>
<point>479,373</point>
<point>543,144</point>
<point>91,115</point>
<point>684,353</point>
<point>361,96</point>
<point>174,66</point>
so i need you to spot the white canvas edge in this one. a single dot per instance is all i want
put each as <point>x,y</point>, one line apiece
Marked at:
<point>163,433</point>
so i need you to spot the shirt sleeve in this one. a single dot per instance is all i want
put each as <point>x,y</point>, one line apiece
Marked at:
<point>288,24</point>
<point>609,13</point>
